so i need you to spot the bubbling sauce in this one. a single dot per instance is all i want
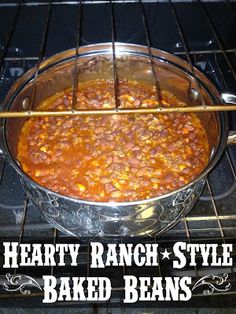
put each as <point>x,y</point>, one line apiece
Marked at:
<point>113,158</point>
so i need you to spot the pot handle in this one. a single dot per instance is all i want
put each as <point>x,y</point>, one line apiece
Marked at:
<point>230,99</point>
<point>1,154</point>
<point>231,138</point>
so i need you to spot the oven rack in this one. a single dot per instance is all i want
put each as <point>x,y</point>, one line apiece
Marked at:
<point>117,110</point>
<point>207,222</point>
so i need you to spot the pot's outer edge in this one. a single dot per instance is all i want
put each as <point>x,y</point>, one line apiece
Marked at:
<point>50,201</point>
<point>223,135</point>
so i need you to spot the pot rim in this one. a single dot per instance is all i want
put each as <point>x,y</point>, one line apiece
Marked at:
<point>128,48</point>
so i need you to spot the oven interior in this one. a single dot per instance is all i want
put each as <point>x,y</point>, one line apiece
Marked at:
<point>32,31</point>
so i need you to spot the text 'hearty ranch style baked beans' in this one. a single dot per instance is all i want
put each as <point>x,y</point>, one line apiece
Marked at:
<point>113,158</point>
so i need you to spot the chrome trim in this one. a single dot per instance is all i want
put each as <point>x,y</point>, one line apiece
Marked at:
<point>229,98</point>
<point>231,138</point>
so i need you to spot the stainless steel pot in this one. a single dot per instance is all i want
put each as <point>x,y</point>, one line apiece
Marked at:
<point>145,217</point>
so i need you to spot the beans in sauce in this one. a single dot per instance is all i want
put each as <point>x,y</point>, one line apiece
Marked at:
<point>113,158</point>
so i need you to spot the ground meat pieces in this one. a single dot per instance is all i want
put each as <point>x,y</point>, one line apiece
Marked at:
<point>113,158</point>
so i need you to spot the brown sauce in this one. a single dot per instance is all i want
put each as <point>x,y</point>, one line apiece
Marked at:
<point>113,158</point>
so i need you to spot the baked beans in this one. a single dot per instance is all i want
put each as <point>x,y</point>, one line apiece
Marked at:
<point>113,158</point>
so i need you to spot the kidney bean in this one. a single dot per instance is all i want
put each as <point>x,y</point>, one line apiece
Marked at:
<point>153,152</point>
<point>104,121</point>
<point>84,126</point>
<point>145,135</point>
<point>169,178</point>
<point>137,103</point>
<point>136,147</point>
<point>192,135</point>
<point>134,162</point>
<point>58,102</point>
<point>66,101</point>
<point>88,146</point>
<point>171,147</point>
<point>109,187</point>
<point>115,133</point>
<point>101,141</point>
<point>108,160</point>
<point>190,127</point>
<point>130,194</point>
<point>118,166</point>
<point>141,172</point>
<point>138,154</point>
<point>136,128</point>
<point>116,159</point>
<point>99,130</point>
<point>186,170</point>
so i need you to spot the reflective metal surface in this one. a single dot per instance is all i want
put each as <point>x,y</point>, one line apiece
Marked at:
<point>144,217</point>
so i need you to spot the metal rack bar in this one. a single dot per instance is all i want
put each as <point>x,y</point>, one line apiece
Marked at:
<point>221,74</point>
<point>75,77</point>
<point>88,261</point>
<point>33,226</point>
<point>2,166</point>
<point>189,241</point>
<point>114,64</point>
<point>206,218</point>
<point>199,238</point>
<point>226,86</point>
<point>204,52</point>
<point>217,219</point>
<point>55,3</point>
<point>41,55</point>
<point>123,267</point>
<point>217,38</point>
<point>158,259</point>
<point>215,209</point>
<point>9,37</point>
<point>230,164</point>
<point>148,40</point>
<point>17,114</point>
<point>186,49</point>
<point>70,2</point>
<point>54,230</point>
<point>2,60</point>
<point>207,51</point>
<point>21,232</point>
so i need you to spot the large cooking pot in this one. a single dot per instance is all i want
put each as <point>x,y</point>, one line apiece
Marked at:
<point>145,217</point>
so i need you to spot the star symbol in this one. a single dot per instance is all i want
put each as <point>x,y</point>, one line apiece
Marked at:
<point>165,254</point>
